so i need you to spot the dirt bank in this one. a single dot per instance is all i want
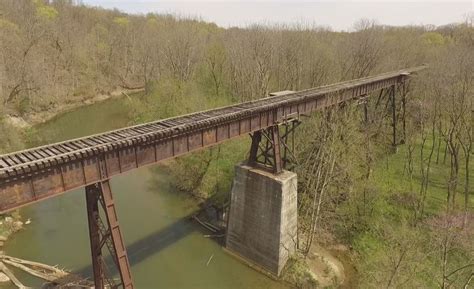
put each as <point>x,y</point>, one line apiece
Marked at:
<point>37,117</point>
<point>9,224</point>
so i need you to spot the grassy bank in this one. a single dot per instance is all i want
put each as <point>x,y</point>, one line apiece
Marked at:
<point>386,245</point>
<point>393,248</point>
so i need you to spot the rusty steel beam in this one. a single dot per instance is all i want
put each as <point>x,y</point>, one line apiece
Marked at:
<point>93,217</point>
<point>394,116</point>
<point>39,173</point>
<point>106,234</point>
<point>269,156</point>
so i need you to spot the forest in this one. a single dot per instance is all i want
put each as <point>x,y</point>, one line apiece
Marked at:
<point>405,212</point>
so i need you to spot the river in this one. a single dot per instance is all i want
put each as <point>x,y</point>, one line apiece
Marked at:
<point>165,249</point>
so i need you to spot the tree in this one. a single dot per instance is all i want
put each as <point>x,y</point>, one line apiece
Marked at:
<point>215,59</point>
<point>362,50</point>
<point>453,242</point>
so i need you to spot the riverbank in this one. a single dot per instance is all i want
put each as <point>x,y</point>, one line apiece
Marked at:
<point>172,228</point>
<point>324,266</point>
<point>153,215</point>
<point>9,224</point>
<point>34,117</point>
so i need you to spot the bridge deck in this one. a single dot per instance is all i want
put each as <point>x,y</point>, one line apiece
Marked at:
<point>40,172</point>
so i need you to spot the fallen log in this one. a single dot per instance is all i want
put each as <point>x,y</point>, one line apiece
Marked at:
<point>49,273</point>
<point>52,274</point>
<point>12,277</point>
<point>212,226</point>
<point>214,236</point>
<point>204,224</point>
<point>209,261</point>
<point>45,276</point>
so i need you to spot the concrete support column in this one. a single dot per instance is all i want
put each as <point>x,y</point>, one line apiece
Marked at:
<point>262,221</point>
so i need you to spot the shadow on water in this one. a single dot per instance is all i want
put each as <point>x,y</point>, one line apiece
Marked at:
<point>171,254</point>
<point>158,240</point>
<point>151,244</point>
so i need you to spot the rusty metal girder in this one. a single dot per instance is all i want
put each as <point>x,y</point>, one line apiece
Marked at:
<point>106,234</point>
<point>267,146</point>
<point>39,173</point>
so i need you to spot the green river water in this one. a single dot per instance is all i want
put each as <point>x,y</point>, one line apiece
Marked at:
<point>165,249</point>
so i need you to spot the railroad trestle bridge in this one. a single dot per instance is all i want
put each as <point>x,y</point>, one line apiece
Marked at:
<point>39,173</point>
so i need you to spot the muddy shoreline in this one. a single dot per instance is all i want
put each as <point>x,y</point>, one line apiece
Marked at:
<point>9,225</point>
<point>38,117</point>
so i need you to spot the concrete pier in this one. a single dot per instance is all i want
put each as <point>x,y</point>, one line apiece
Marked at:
<point>262,222</point>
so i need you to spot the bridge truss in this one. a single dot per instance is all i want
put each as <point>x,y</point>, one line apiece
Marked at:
<point>39,173</point>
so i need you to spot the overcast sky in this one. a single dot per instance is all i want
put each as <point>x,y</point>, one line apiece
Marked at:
<point>340,15</point>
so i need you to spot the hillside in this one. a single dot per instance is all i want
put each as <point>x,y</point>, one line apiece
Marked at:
<point>405,214</point>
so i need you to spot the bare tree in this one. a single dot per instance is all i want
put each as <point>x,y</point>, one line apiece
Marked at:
<point>365,49</point>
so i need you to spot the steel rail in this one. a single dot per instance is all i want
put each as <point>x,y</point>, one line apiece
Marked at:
<point>37,173</point>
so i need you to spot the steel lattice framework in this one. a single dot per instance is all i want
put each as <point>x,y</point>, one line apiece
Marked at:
<point>35,174</point>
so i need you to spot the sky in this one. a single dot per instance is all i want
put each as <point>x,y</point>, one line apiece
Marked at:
<point>338,14</point>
